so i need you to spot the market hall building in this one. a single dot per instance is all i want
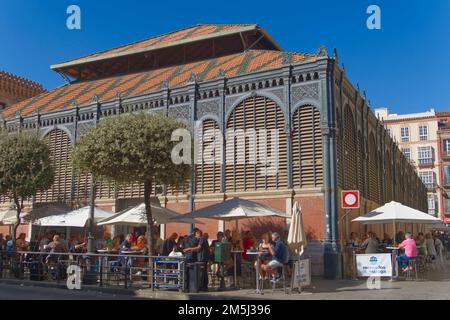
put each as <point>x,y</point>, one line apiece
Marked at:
<point>232,77</point>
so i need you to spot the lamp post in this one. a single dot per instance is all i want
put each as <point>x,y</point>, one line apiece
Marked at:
<point>91,225</point>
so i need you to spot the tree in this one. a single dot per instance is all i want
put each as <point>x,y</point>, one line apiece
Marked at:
<point>132,148</point>
<point>25,168</point>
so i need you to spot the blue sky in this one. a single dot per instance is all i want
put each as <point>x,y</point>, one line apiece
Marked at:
<point>404,66</point>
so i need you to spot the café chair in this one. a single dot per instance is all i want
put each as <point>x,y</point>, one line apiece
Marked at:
<point>412,269</point>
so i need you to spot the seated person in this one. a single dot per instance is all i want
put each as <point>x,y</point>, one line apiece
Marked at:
<point>409,245</point>
<point>265,257</point>
<point>56,246</point>
<point>127,244</point>
<point>370,244</point>
<point>280,256</point>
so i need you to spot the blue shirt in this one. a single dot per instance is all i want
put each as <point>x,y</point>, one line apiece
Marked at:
<point>280,252</point>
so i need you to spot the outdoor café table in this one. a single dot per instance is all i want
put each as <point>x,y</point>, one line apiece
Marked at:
<point>394,260</point>
<point>258,266</point>
<point>235,253</point>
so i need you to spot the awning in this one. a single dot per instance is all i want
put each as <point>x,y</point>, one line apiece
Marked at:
<point>136,217</point>
<point>76,218</point>
<point>8,217</point>
<point>394,212</point>
<point>236,208</point>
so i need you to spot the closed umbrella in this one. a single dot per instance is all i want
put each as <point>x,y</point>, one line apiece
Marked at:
<point>296,237</point>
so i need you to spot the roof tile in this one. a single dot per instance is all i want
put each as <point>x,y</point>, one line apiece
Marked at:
<point>135,84</point>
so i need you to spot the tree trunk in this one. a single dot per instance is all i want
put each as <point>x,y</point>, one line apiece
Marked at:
<point>17,223</point>
<point>148,213</point>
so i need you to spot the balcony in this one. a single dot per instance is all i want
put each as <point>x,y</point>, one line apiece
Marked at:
<point>425,163</point>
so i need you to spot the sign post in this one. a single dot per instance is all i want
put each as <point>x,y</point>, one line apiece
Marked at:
<point>349,200</point>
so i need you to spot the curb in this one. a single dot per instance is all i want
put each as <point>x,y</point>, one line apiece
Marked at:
<point>136,293</point>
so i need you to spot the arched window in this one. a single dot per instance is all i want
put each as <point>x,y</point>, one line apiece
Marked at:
<point>256,156</point>
<point>60,152</point>
<point>307,169</point>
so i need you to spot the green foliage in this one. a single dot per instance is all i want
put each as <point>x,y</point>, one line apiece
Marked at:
<point>131,148</point>
<point>25,165</point>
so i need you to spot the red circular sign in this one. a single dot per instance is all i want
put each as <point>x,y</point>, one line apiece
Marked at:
<point>350,199</point>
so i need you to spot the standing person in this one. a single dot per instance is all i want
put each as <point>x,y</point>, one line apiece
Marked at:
<point>65,243</point>
<point>2,242</point>
<point>409,245</point>
<point>9,245</point>
<point>219,238</point>
<point>280,256</point>
<point>169,243</point>
<point>203,257</point>
<point>157,243</point>
<point>421,245</point>
<point>228,236</point>
<point>21,243</point>
<point>191,242</point>
<point>370,244</point>
<point>431,249</point>
<point>439,246</point>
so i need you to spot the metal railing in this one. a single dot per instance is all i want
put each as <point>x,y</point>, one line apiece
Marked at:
<point>102,270</point>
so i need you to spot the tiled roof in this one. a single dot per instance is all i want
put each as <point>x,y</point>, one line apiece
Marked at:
<point>135,84</point>
<point>189,34</point>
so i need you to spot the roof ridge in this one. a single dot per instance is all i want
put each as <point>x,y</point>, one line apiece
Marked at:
<point>132,43</point>
<point>154,37</point>
<point>285,52</point>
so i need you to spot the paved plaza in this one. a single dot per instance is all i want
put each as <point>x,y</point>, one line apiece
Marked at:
<point>433,285</point>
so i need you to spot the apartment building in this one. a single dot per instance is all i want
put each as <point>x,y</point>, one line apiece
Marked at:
<point>417,137</point>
